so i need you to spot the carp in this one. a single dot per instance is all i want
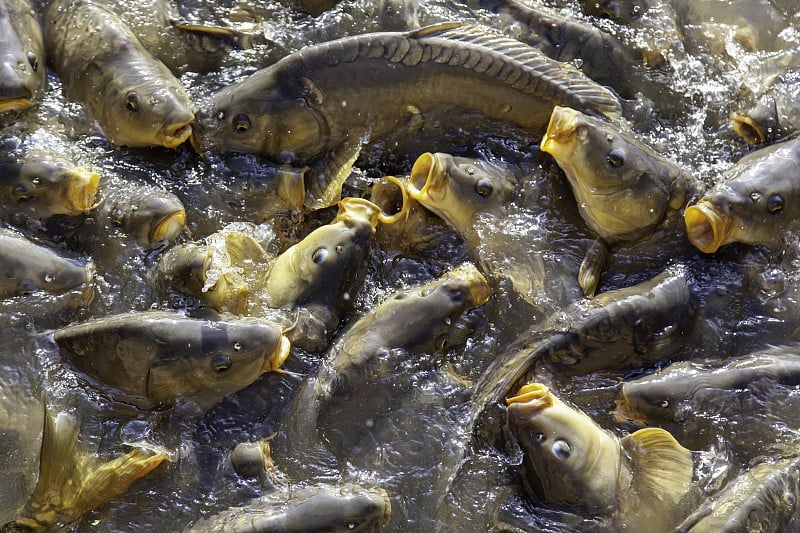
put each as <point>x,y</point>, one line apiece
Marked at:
<point>22,60</point>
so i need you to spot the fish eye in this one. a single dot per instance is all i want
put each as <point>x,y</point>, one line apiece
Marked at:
<point>484,187</point>
<point>663,404</point>
<point>21,193</point>
<point>616,158</point>
<point>241,123</point>
<point>561,450</point>
<point>133,101</point>
<point>319,255</point>
<point>775,204</point>
<point>539,437</point>
<point>34,61</point>
<point>220,363</point>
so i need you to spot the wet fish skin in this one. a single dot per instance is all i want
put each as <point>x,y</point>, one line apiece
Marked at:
<point>622,11</point>
<point>775,113</point>
<point>133,96</point>
<point>160,357</point>
<point>343,508</point>
<point>313,100</point>
<point>666,395</point>
<point>22,56</point>
<point>29,267</point>
<point>753,201</point>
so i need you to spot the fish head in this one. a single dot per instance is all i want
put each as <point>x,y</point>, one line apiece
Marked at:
<point>58,276</point>
<point>568,458</point>
<point>144,109</point>
<point>348,508</point>
<point>326,265</point>
<point>757,199</point>
<point>228,356</point>
<point>55,188</point>
<point>22,61</point>
<point>262,115</point>
<point>759,123</point>
<point>622,188</point>
<point>663,396</point>
<point>151,219</point>
<point>459,188</point>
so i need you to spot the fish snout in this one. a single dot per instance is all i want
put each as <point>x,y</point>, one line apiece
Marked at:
<point>561,130</point>
<point>16,92</point>
<point>173,135</point>
<point>478,291</point>
<point>168,227</point>
<point>428,179</point>
<point>531,397</point>
<point>391,195</point>
<point>275,360</point>
<point>82,190</point>
<point>707,225</point>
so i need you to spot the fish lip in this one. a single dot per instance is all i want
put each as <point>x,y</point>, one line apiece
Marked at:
<point>428,181</point>
<point>387,508</point>
<point>168,227</point>
<point>560,131</point>
<point>281,352</point>
<point>535,397</point>
<point>391,195</point>
<point>479,290</point>
<point>173,135</point>
<point>624,411</point>
<point>352,209</point>
<point>15,104</point>
<point>706,227</point>
<point>747,129</point>
<point>82,190</point>
<point>227,292</point>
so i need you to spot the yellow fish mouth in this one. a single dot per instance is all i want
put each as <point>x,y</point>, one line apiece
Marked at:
<point>278,355</point>
<point>428,181</point>
<point>479,291</point>
<point>227,293</point>
<point>706,227</point>
<point>174,135</point>
<point>352,208</point>
<point>169,227</point>
<point>747,129</point>
<point>82,190</point>
<point>535,395</point>
<point>391,196</point>
<point>15,104</point>
<point>624,412</point>
<point>560,136</point>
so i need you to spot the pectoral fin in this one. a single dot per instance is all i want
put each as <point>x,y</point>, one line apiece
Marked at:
<point>592,267</point>
<point>326,179</point>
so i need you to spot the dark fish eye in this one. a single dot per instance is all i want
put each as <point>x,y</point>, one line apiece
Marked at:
<point>775,204</point>
<point>34,61</point>
<point>616,158</point>
<point>133,101</point>
<point>663,404</point>
<point>241,123</point>
<point>319,255</point>
<point>220,363</point>
<point>539,437</point>
<point>561,450</point>
<point>484,187</point>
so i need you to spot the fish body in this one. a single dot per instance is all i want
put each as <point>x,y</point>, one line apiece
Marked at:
<point>775,113</point>
<point>317,98</point>
<point>665,395</point>
<point>569,460</point>
<point>136,100</point>
<point>22,60</point>
<point>160,357</point>
<point>753,202</point>
<point>343,508</point>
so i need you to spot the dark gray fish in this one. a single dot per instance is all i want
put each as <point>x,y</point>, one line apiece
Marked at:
<point>22,61</point>
<point>161,357</point>
<point>775,113</point>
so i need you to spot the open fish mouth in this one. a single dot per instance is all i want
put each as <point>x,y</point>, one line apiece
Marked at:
<point>747,129</point>
<point>168,227</point>
<point>174,135</point>
<point>428,181</point>
<point>228,292</point>
<point>278,355</point>
<point>624,412</point>
<point>351,209</point>
<point>535,395</point>
<point>560,135</point>
<point>706,227</point>
<point>391,196</point>
<point>82,190</point>
<point>15,104</point>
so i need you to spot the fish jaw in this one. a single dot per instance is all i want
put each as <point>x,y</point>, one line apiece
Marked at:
<point>82,190</point>
<point>15,104</point>
<point>352,209</point>
<point>173,135</point>
<point>748,129</point>
<point>536,395</point>
<point>707,227</point>
<point>168,227</point>
<point>560,139</point>
<point>428,181</point>
<point>391,195</point>
<point>278,356</point>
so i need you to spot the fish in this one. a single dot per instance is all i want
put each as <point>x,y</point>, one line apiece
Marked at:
<point>752,202</point>
<point>335,508</point>
<point>28,267</point>
<point>621,11</point>
<point>22,57</point>
<point>330,95</point>
<point>774,115</point>
<point>146,213</point>
<point>763,498</point>
<point>157,358</point>
<point>135,99</point>
<point>669,394</point>
<point>252,459</point>
<point>637,481</point>
<point>71,481</point>
<point>624,189</point>
<point>39,189</point>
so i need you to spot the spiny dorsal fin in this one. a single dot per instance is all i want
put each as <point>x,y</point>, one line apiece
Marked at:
<point>662,469</point>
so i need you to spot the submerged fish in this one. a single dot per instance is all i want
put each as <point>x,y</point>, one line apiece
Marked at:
<point>775,114</point>
<point>22,61</point>
<point>337,509</point>
<point>134,97</point>
<point>762,499</point>
<point>569,460</point>
<point>669,395</point>
<point>753,202</point>
<point>622,11</point>
<point>41,189</point>
<point>159,357</point>
<point>623,188</point>
<point>331,95</point>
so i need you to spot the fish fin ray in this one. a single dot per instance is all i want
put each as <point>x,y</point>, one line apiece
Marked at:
<point>325,188</point>
<point>592,267</point>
